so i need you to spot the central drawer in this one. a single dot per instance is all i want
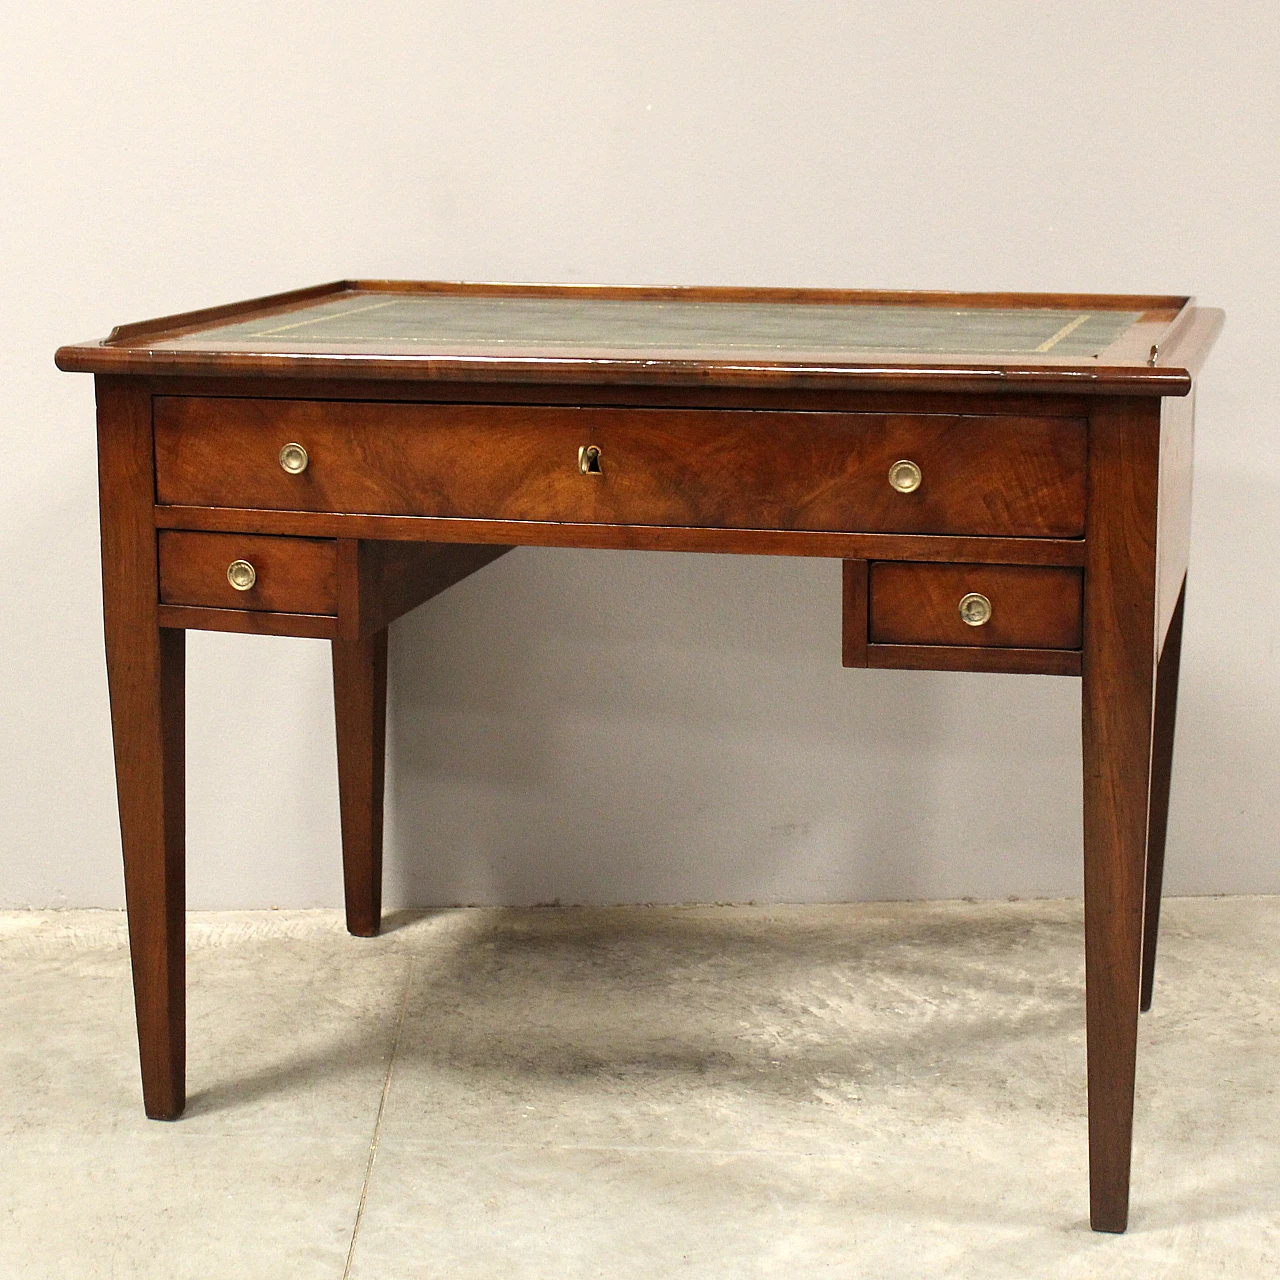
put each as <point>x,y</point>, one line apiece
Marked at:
<point>699,468</point>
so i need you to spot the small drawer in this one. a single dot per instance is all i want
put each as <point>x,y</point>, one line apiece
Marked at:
<point>993,605</point>
<point>284,575</point>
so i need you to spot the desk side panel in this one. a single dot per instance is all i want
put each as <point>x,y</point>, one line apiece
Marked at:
<point>1173,541</point>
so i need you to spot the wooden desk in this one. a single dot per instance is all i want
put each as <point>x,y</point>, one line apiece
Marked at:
<point>1006,478</point>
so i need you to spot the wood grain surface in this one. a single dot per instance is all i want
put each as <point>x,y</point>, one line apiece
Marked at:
<point>933,657</point>
<point>1117,702</point>
<point>853,612</point>
<point>146,677</point>
<point>294,575</point>
<point>1173,544</point>
<point>1032,608</point>
<point>545,533</point>
<point>983,475</point>
<point>393,578</point>
<point>249,622</point>
<point>360,716</point>
<point>588,394</point>
<point>1166,714</point>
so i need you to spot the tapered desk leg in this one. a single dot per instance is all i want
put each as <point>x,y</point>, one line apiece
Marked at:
<point>1118,692</point>
<point>360,713</point>
<point>1161,769</point>
<point>145,674</point>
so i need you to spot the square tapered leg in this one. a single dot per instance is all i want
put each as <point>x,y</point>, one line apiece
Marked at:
<point>360,714</point>
<point>1118,691</point>
<point>145,675</point>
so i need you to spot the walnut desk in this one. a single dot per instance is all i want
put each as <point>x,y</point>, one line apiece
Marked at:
<point>1006,479</point>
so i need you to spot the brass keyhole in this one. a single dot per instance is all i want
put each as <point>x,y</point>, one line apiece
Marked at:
<point>589,460</point>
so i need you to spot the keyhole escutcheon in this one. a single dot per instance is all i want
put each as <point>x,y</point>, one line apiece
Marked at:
<point>589,460</point>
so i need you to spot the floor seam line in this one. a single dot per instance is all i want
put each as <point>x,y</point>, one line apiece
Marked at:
<point>377,1124</point>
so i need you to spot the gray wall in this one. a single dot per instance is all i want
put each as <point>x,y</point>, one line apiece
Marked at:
<point>610,726</point>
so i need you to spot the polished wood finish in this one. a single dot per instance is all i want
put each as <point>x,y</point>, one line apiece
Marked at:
<point>945,299</point>
<point>145,674</point>
<point>1025,662</point>
<point>185,322</point>
<point>919,601</point>
<point>918,604</point>
<point>360,714</point>
<point>294,575</point>
<point>853,613</point>
<point>250,622</point>
<point>1117,701</point>
<point>1166,713</point>
<point>1121,370</point>
<point>535,533</point>
<point>992,476</point>
<point>587,394</point>
<point>1056,485</point>
<point>391,578</point>
<point>1188,344</point>
<point>366,585</point>
<point>1174,532</point>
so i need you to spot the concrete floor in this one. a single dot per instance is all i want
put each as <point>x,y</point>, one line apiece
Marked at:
<point>880,1091</point>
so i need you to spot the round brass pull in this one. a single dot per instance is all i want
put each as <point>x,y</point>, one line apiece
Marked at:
<point>975,609</point>
<point>589,460</point>
<point>905,476</point>
<point>241,574</point>
<point>293,458</point>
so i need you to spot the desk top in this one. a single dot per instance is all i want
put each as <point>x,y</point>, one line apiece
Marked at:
<point>583,334</point>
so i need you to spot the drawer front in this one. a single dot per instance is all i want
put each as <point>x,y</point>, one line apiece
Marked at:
<point>698,468</point>
<point>290,575</point>
<point>1030,608</point>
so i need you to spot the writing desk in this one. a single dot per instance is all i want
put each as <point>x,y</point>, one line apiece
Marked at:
<point>1006,479</point>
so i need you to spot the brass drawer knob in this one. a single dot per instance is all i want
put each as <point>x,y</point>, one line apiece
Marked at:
<point>975,609</point>
<point>241,574</point>
<point>905,476</point>
<point>589,460</point>
<point>293,458</point>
